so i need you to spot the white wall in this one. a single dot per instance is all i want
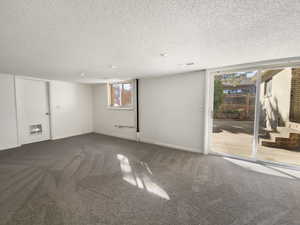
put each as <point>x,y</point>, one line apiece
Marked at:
<point>71,109</point>
<point>8,120</point>
<point>105,118</point>
<point>172,111</point>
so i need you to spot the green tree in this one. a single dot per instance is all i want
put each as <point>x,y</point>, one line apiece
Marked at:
<point>218,94</point>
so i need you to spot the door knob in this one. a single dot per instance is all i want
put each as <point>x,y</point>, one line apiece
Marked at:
<point>47,113</point>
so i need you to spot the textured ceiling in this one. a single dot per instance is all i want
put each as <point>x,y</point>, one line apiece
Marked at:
<point>60,39</point>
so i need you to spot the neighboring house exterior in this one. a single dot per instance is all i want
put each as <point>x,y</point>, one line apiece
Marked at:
<point>280,98</point>
<point>280,106</point>
<point>295,96</point>
<point>238,99</point>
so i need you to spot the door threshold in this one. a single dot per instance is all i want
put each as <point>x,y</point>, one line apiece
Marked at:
<point>258,161</point>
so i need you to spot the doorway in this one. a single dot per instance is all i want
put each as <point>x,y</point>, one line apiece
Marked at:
<point>256,114</point>
<point>33,110</point>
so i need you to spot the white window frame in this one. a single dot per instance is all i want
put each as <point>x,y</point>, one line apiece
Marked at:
<point>127,107</point>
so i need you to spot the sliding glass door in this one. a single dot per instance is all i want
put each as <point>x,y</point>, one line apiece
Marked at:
<point>234,113</point>
<point>256,114</point>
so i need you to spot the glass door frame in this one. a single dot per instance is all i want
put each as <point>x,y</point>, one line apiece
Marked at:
<point>209,99</point>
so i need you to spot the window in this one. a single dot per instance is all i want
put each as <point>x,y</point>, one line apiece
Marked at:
<point>268,88</point>
<point>120,95</point>
<point>232,91</point>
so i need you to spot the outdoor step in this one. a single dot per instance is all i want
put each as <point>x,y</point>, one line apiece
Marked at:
<point>269,144</point>
<point>282,140</point>
<point>274,135</point>
<point>283,132</point>
<point>295,136</point>
<point>285,145</point>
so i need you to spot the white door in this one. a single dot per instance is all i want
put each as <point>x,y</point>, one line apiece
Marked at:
<point>33,110</point>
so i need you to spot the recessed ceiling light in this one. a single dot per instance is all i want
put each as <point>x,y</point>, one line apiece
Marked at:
<point>82,74</point>
<point>163,54</point>
<point>186,64</point>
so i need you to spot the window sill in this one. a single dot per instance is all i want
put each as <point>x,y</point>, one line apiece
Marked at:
<point>120,108</point>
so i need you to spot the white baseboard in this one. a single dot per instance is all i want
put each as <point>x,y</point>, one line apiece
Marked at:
<point>115,135</point>
<point>71,135</point>
<point>3,148</point>
<point>149,141</point>
<point>144,140</point>
<point>184,148</point>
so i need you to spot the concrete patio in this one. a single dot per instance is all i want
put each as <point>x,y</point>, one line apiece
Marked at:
<point>236,137</point>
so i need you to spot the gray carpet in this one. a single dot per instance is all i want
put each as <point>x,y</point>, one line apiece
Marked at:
<point>95,179</point>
